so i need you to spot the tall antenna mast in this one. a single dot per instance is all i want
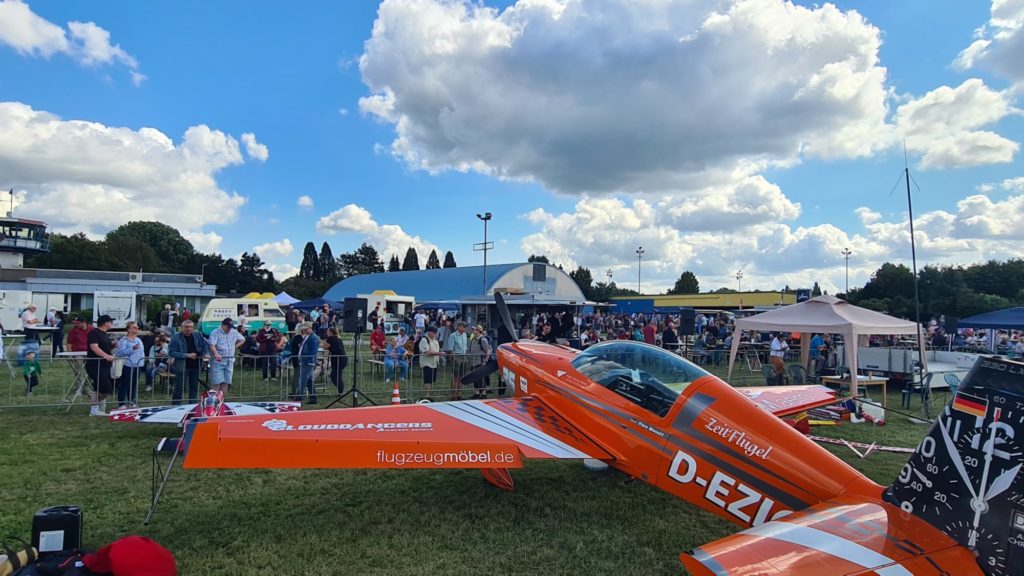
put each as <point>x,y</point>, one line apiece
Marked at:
<point>913,261</point>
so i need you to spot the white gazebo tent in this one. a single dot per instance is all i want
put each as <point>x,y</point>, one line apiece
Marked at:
<point>824,315</point>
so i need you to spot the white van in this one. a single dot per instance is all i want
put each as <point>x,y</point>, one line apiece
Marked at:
<point>257,311</point>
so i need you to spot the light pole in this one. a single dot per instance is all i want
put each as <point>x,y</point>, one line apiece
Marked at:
<point>608,273</point>
<point>485,246</point>
<point>639,257</point>
<point>739,280</point>
<point>846,255</point>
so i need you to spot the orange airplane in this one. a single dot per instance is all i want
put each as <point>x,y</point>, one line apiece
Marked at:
<point>957,508</point>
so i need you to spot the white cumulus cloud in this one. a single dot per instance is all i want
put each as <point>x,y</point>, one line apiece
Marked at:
<point>943,126</point>
<point>85,42</point>
<point>254,149</point>
<point>283,271</point>
<point>588,96</point>
<point>277,249</point>
<point>305,201</point>
<point>1000,43</point>
<point>388,239</point>
<point>84,176</point>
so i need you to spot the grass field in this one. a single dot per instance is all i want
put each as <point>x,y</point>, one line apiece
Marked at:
<point>562,519</point>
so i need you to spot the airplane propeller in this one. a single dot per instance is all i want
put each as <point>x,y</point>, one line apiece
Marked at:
<point>506,333</point>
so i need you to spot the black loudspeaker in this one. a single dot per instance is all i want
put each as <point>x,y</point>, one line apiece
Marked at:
<point>687,321</point>
<point>952,324</point>
<point>354,315</point>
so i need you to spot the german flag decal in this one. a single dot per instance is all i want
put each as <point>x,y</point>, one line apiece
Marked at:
<point>970,404</point>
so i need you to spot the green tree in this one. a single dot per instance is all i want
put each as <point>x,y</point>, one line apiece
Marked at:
<point>74,252</point>
<point>364,260</point>
<point>171,249</point>
<point>253,276</point>
<point>411,261</point>
<point>686,284</point>
<point>304,289</point>
<point>309,269</point>
<point>133,254</point>
<point>887,281</point>
<point>584,280</point>
<point>394,265</point>
<point>816,290</point>
<point>432,262</point>
<point>449,260</point>
<point>328,264</point>
<point>535,258</point>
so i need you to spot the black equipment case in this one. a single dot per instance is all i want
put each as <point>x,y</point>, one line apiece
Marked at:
<point>57,528</point>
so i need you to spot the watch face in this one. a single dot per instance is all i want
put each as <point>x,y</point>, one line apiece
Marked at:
<point>965,476</point>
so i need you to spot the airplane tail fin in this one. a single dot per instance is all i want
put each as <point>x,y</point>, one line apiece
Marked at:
<point>506,333</point>
<point>964,478</point>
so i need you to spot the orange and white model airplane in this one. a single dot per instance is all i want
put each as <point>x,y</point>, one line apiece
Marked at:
<point>957,508</point>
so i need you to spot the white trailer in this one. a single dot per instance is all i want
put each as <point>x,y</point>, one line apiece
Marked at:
<point>121,306</point>
<point>394,309</point>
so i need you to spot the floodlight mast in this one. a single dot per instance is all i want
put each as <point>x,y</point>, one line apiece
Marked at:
<point>486,217</point>
<point>846,255</point>
<point>739,280</point>
<point>639,257</point>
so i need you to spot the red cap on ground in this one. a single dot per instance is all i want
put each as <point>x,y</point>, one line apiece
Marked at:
<point>132,556</point>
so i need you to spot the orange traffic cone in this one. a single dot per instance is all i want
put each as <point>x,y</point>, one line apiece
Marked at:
<point>396,397</point>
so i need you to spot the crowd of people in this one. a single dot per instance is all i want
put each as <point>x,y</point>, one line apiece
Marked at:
<point>174,349</point>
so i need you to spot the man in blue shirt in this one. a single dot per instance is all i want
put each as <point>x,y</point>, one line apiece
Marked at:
<point>308,351</point>
<point>187,348</point>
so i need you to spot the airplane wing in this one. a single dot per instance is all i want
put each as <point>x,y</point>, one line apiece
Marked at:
<point>472,434</point>
<point>785,400</point>
<point>178,414</point>
<point>838,537</point>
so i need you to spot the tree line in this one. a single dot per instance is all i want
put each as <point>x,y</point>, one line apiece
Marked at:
<point>156,247</point>
<point>951,291</point>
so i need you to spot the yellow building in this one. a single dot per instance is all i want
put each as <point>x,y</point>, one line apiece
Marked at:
<point>725,301</point>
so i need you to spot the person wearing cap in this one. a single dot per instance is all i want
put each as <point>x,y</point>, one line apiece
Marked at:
<point>479,353</point>
<point>99,360</point>
<point>308,350</point>
<point>187,349</point>
<point>430,353</point>
<point>28,320</point>
<point>78,335</point>
<point>224,344</point>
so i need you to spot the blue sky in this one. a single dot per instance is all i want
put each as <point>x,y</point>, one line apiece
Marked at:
<point>720,135</point>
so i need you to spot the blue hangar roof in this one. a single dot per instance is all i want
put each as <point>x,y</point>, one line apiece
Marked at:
<point>424,285</point>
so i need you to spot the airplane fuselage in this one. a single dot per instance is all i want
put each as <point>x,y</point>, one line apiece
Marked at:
<point>713,447</point>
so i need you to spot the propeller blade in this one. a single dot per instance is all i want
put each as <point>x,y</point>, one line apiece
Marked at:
<point>509,335</point>
<point>481,372</point>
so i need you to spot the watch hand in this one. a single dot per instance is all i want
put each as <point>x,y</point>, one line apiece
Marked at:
<point>979,503</point>
<point>1004,481</point>
<point>958,463</point>
<point>923,478</point>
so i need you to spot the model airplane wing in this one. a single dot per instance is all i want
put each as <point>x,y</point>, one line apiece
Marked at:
<point>178,414</point>
<point>473,434</point>
<point>839,537</point>
<point>785,400</point>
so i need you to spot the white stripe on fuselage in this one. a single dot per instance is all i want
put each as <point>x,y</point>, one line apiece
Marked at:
<point>829,544</point>
<point>481,415</point>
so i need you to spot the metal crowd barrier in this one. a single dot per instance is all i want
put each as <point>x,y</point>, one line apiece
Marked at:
<point>63,382</point>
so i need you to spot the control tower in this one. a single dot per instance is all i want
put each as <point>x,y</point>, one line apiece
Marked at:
<point>21,236</point>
